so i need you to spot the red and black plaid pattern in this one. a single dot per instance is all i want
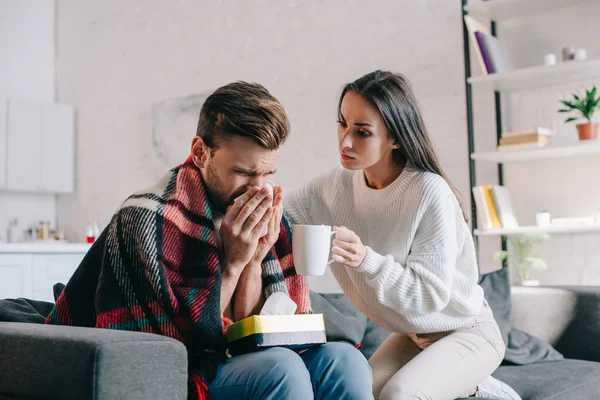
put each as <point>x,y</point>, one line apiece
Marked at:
<point>155,268</point>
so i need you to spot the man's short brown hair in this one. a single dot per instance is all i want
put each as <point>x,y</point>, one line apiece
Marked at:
<point>243,109</point>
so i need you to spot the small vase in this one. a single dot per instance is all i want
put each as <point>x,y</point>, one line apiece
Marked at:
<point>588,130</point>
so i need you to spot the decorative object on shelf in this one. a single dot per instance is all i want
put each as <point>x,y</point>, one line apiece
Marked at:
<point>585,106</point>
<point>520,258</point>
<point>568,53</point>
<point>550,59</point>
<point>543,218</point>
<point>580,55</point>
<point>528,138</point>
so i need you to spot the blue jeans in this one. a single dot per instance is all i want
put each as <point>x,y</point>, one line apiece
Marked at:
<point>330,371</point>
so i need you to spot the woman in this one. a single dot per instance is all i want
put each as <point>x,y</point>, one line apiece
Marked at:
<point>403,252</point>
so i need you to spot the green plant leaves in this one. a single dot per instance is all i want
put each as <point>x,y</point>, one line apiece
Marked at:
<point>585,106</point>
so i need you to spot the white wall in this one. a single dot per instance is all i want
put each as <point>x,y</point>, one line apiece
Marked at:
<point>115,60</point>
<point>26,72</point>
<point>565,187</point>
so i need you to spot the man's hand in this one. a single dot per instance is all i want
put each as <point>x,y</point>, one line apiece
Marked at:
<point>249,298</point>
<point>241,228</point>
<point>266,242</point>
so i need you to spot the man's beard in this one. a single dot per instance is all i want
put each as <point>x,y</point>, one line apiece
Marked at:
<point>216,190</point>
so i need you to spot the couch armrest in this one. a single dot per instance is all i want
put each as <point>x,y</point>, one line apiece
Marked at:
<point>62,362</point>
<point>565,316</point>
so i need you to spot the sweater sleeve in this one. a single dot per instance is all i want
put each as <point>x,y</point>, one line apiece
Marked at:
<point>423,284</point>
<point>297,204</point>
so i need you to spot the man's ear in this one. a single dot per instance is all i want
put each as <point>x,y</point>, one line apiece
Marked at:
<point>200,152</point>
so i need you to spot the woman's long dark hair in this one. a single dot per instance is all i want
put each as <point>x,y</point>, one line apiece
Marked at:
<point>393,96</point>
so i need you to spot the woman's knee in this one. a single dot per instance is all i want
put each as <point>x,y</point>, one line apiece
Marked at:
<point>400,387</point>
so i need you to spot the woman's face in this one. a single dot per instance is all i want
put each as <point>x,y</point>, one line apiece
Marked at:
<point>362,135</point>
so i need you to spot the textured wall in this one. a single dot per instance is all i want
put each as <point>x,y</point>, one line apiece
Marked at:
<point>116,63</point>
<point>116,60</point>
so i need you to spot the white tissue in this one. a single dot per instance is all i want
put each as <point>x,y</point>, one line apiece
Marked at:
<point>279,303</point>
<point>269,186</point>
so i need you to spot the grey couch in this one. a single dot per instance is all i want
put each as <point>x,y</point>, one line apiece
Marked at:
<point>48,362</point>
<point>569,319</point>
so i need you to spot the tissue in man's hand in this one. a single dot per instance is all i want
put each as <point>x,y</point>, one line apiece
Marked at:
<point>279,303</point>
<point>261,331</point>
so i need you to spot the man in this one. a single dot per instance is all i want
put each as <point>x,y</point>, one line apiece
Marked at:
<point>187,256</point>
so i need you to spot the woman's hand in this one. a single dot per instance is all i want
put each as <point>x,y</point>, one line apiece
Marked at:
<point>347,248</point>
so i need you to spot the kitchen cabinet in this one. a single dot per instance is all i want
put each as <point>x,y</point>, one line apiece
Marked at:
<point>40,150</point>
<point>31,270</point>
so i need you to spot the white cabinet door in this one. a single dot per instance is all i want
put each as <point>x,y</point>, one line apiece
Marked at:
<point>49,269</point>
<point>58,152</point>
<point>24,159</point>
<point>3,141</point>
<point>15,276</point>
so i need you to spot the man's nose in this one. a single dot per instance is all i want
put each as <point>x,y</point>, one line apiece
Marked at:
<point>256,181</point>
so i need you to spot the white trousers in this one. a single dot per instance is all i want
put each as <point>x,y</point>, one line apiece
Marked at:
<point>438,366</point>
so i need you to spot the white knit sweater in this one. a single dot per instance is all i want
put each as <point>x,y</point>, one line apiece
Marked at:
<point>420,272</point>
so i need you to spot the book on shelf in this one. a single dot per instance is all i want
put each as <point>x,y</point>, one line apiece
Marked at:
<point>522,146</point>
<point>483,214</point>
<point>504,207</point>
<point>533,138</point>
<point>484,54</point>
<point>475,26</point>
<point>531,131</point>
<point>494,207</point>
<point>495,52</point>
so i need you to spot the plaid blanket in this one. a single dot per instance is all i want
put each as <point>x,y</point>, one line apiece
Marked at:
<point>155,268</point>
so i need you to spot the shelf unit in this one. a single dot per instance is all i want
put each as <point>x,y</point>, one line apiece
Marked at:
<point>522,79</point>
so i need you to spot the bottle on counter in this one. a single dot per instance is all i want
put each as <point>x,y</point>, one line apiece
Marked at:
<point>59,234</point>
<point>14,232</point>
<point>92,232</point>
<point>44,231</point>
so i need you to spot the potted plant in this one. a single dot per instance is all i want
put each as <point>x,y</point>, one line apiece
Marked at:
<point>585,106</point>
<point>520,258</point>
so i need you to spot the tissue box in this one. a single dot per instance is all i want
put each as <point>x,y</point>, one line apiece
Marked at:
<point>262,331</point>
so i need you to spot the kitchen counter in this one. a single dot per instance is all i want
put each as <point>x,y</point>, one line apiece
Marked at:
<point>45,247</point>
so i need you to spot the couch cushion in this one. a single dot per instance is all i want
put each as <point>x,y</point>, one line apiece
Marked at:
<point>343,321</point>
<point>68,363</point>
<point>580,339</point>
<point>496,288</point>
<point>521,347</point>
<point>565,380</point>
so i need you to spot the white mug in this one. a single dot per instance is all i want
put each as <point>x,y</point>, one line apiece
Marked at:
<point>311,245</point>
